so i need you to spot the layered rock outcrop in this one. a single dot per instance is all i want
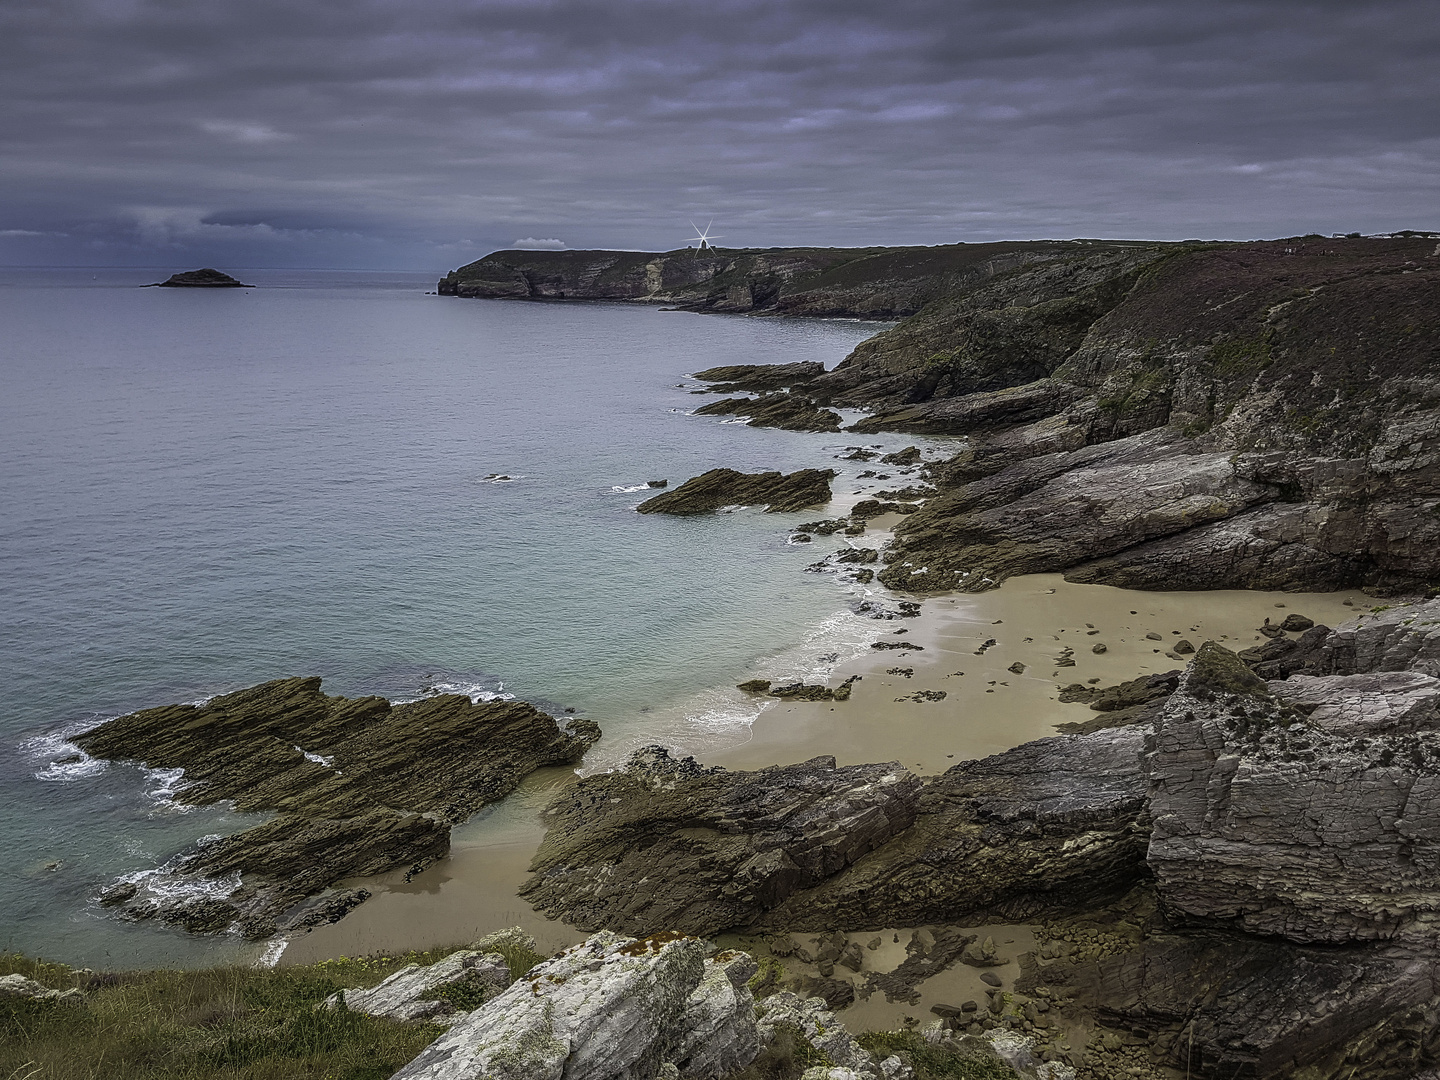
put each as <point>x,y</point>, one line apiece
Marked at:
<point>777,492</point>
<point>359,787</point>
<point>669,844</point>
<point>1307,812</point>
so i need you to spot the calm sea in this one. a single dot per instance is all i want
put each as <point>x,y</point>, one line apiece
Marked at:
<point>338,474</point>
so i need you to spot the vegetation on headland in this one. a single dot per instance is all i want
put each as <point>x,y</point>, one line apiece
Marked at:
<point>223,1022</point>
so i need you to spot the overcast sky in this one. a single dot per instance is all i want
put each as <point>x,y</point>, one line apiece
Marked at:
<point>424,133</point>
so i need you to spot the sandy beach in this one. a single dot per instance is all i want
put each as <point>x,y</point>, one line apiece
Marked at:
<point>893,715</point>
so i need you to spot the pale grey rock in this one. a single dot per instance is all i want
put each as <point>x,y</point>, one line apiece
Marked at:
<point>1317,831</point>
<point>18,986</point>
<point>718,1034</point>
<point>409,994</point>
<point>1405,637</point>
<point>612,1008</point>
<point>820,1027</point>
<point>1386,701</point>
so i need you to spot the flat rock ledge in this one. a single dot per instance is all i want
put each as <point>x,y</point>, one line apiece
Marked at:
<point>358,786</point>
<point>777,492</point>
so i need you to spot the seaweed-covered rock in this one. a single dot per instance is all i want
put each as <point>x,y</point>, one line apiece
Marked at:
<point>778,492</point>
<point>360,786</point>
<point>761,378</point>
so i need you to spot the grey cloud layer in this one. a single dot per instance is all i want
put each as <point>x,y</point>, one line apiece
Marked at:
<point>382,132</point>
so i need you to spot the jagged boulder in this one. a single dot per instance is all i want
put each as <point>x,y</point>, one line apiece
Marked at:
<point>667,844</point>
<point>819,1027</point>
<point>430,992</point>
<point>612,1008</point>
<point>18,986</point>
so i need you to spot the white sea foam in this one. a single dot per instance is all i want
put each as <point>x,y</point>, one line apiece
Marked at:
<point>328,762</point>
<point>479,693</point>
<point>617,489</point>
<point>169,885</point>
<point>56,751</point>
<point>272,953</point>
<point>162,785</point>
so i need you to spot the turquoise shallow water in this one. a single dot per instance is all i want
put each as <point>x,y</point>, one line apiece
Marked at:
<point>204,490</point>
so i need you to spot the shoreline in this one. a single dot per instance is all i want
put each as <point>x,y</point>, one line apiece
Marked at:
<point>985,711</point>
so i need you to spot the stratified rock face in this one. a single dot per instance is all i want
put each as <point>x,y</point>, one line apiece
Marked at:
<point>360,787</point>
<point>417,992</point>
<point>668,845</point>
<point>783,411</point>
<point>1320,829</point>
<point>207,278</point>
<point>613,1008</point>
<point>761,378</point>
<point>1240,1006</point>
<point>710,491</point>
<point>1053,825</point>
<point>1404,638</point>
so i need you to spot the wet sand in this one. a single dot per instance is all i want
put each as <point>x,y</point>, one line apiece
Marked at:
<point>460,898</point>
<point>985,710</point>
<point>989,708</point>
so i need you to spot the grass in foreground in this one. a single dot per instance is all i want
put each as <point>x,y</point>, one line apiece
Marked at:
<point>233,1022</point>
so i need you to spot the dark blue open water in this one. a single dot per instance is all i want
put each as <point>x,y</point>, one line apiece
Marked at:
<point>200,490</point>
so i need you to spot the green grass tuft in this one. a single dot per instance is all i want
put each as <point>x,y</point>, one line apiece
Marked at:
<point>228,1023</point>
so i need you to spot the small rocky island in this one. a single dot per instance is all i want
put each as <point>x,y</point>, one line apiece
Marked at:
<point>207,278</point>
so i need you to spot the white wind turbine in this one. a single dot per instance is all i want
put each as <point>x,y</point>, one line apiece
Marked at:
<point>703,236</point>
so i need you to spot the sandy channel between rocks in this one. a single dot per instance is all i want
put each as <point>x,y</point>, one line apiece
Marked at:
<point>891,716</point>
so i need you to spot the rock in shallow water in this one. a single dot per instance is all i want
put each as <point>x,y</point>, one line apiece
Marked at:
<point>360,787</point>
<point>717,488</point>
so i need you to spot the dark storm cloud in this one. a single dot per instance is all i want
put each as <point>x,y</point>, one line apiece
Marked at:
<point>386,131</point>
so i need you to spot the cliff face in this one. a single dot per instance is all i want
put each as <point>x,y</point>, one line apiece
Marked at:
<point>877,283</point>
<point>1262,415</point>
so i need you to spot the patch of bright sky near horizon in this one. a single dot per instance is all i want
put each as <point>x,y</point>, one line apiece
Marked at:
<point>387,134</point>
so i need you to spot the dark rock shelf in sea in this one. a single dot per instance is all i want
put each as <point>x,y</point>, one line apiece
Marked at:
<point>709,491</point>
<point>360,786</point>
<point>208,278</point>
